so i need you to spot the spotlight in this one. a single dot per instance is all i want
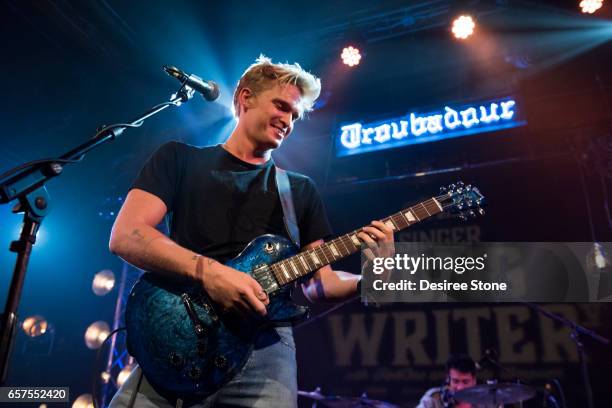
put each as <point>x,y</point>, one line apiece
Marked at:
<point>350,56</point>
<point>103,282</point>
<point>35,326</point>
<point>96,333</point>
<point>123,374</point>
<point>599,255</point>
<point>463,27</point>
<point>598,265</point>
<point>590,6</point>
<point>83,401</point>
<point>105,377</point>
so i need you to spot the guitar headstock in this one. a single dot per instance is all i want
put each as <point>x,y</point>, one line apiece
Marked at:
<point>461,199</point>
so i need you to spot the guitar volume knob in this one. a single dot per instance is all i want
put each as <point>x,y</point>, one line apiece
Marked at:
<point>220,362</point>
<point>176,359</point>
<point>195,373</point>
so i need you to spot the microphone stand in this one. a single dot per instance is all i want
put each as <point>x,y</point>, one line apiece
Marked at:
<point>577,331</point>
<point>26,184</point>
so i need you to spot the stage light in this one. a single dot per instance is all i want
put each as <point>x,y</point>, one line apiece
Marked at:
<point>590,6</point>
<point>35,326</point>
<point>350,56</point>
<point>83,401</point>
<point>105,377</point>
<point>123,374</point>
<point>96,333</point>
<point>463,27</point>
<point>597,259</point>
<point>103,282</point>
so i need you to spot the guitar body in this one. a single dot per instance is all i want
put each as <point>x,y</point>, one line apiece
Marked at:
<point>182,341</point>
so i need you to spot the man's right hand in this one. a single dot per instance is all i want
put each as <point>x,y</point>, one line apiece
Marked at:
<point>232,289</point>
<point>136,240</point>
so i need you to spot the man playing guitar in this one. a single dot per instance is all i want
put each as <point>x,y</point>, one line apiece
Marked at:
<point>220,198</point>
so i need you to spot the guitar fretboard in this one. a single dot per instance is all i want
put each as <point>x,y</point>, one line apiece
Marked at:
<point>297,266</point>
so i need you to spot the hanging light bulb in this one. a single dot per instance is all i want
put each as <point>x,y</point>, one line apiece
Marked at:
<point>124,374</point>
<point>35,326</point>
<point>83,401</point>
<point>96,333</point>
<point>105,377</point>
<point>103,282</point>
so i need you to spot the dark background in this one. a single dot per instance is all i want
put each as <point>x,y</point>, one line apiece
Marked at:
<point>69,67</point>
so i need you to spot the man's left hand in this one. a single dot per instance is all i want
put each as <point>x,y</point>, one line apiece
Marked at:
<point>378,238</point>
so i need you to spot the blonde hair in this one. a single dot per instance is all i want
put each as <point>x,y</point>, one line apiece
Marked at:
<point>264,75</point>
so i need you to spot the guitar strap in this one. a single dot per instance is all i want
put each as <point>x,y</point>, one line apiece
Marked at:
<point>284,193</point>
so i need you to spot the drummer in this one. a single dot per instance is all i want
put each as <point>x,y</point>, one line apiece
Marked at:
<point>460,374</point>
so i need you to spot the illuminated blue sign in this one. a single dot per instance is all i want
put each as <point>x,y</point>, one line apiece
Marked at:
<point>438,125</point>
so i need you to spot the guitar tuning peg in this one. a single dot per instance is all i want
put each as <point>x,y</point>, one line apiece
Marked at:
<point>443,190</point>
<point>481,211</point>
<point>460,184</point>
<point>468,187</point>
<point>452,186</point>
<point>472,214</point>
<point>462,217</point>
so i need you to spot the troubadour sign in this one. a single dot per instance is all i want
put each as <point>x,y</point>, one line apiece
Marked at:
<point>416,128</point>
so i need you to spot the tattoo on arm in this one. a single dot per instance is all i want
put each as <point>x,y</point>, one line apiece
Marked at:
<point>200,265</point>
<point>137,234</point>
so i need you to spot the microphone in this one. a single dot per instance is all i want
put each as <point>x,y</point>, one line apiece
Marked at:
<point>208,89</point>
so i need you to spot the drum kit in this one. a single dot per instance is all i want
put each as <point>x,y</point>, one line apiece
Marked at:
<point>492,395</point>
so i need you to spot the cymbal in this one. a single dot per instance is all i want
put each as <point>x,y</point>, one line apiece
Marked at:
<point>315,395</point>
<point>359,402</point>
<point>344,402</point>
<point>500,393</point>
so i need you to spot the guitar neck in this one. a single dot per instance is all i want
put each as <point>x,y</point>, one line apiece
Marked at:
<point>297,266</point>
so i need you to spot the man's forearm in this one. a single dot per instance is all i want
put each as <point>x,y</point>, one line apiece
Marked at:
<point>331,286</point>
<point>344,287</point>
<point>146,248</point>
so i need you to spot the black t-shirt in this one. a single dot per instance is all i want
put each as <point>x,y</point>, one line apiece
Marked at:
<point>219,203</point>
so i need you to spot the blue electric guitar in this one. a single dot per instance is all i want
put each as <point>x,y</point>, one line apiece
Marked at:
<point>183,343</point>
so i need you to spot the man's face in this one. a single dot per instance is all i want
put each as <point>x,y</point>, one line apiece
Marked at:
<point>459,380</point>
<point>270,115</point>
